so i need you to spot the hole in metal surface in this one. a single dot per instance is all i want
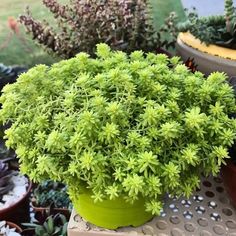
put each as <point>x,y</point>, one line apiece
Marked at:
<point>161,225</point>
<point>207,184</point>
<point>212,204</point>
<point>200,209</point>
<point>224,200</point>
<point>220,189</point>
<point>162,213</point>
<point>231,224</point>
<point>227,211</point>
<point>205,233</point>
<point>218,180</point>
<point>175,220</point>
<point>147,230</point>
<point>177,232</point>
<point>202,222</point>
<point>188,214</point>
<point>190,227</point>
<point>218,229</point>
<point>186,203</point>
<point>215,216</point>
<point>209,194</point>
<point>198,198</point>
<point>77,218</point>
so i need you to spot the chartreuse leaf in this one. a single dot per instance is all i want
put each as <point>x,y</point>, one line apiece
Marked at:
<point>120,126</point>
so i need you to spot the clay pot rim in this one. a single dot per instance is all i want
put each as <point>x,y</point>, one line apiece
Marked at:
<point>40,208</point>
<point>20,200</point>
<point>13,225</point>
<point>213,50</point>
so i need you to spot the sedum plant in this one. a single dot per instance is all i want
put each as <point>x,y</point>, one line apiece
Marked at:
<point>125,25</point>
<point>138,125</point>
<point>219,30</point>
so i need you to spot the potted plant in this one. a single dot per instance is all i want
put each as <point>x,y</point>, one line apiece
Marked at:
<point>211,41</point>
<point>8,228</point>
<point>14,194</point>
<point>55,225</point>
<point>49,193</point>
<point>120,130</point>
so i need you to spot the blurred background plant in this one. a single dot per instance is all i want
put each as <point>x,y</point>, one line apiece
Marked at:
<point>125,25</point>
<point>15,52</point>
<point>215,29</point>
<point>50,192</point>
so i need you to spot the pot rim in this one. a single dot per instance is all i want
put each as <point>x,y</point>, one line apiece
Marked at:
<point>214,50</point>
<point>13,225</point>
<point>20,200</point>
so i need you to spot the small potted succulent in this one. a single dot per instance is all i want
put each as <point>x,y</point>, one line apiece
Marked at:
<point>55,225</point>
<point>49,193</point>
<point>120,130</point>
<point>211,41</point>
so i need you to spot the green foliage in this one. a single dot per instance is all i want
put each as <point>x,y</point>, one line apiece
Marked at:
<point>219,30</point>
<point>120,125</point>
<point>53,226</point>
<point>49,192</point>
<point>125,25</point>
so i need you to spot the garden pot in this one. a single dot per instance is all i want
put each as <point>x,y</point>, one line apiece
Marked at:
<point>208,58</point>
<point>14,226</point>
<point>228,173</point>
<point>111,214</point>
<point>19,211</point>
<point>54,211</point>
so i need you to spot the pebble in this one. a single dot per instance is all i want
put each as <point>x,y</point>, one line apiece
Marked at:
<point>20,188</point>
<point>6,231</point>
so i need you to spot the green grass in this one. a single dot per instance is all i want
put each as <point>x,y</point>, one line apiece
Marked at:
<point>29,53</point>
<point>16,52</point>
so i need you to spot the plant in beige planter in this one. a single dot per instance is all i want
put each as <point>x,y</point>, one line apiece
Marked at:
<point>120,130</point>
<point>211,41</point>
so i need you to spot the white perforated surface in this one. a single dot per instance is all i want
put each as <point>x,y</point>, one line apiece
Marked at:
<point>208,212</point>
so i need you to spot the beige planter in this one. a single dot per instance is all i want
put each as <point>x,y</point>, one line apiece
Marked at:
<point>208,58</point>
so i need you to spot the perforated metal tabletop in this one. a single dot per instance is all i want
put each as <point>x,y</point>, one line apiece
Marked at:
<point>208,212</point>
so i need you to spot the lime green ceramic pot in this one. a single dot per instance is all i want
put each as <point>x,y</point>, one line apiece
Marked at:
<point>111,214</point>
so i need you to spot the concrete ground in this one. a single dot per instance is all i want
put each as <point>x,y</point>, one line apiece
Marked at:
<point>206,7</point>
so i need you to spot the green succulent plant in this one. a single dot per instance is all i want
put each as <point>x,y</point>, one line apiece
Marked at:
<point>219,29</point>
<point>53,226</point>
<point>120,125</point>
<point>50,192</point>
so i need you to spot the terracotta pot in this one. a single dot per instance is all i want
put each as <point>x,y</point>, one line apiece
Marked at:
<point>42,210</point>
<point>19,211</point>
<point>228,173</point>
<point>208,58</point>
<point>12,226</point>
